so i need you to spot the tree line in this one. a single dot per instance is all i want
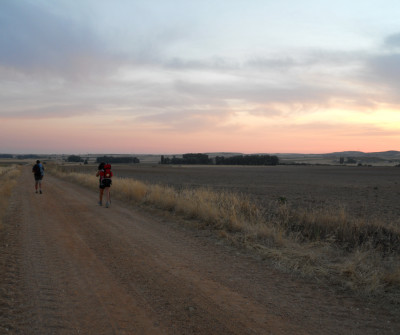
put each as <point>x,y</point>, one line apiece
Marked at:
<point>108,159</point>
<point>221,160</point>
<point>187,159</point>
<point>116,160</point>
<point>247,160</point>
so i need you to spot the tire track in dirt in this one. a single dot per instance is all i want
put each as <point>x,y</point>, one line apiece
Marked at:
<point>75,268</point>
<point>11,307</point>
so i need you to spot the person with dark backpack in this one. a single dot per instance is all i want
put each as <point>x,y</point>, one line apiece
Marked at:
<point>38,173</point>
<point>105,174</point>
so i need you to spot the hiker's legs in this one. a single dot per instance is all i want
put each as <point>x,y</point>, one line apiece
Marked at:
<point>108,194</point>
<point>101,195</point>
<point>38,184</point>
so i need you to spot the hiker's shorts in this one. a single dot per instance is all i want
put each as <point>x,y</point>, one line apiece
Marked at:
<point>105,183</point>
<point>38,178</point>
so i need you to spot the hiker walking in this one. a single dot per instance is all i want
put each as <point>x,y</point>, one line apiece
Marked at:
<point>105,174</point>
<point>38,173</point>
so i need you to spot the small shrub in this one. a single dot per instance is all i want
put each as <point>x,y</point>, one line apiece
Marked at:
<point>282,200</point>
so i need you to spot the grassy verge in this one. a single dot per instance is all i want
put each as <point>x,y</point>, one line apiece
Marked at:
<point>8,179</point>
<point>323,244</point>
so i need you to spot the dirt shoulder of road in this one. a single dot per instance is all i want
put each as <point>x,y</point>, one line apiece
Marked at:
<point>68,266</point>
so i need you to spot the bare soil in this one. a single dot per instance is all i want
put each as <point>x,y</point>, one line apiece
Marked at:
<point>367,192</point>
<point>69,266</point>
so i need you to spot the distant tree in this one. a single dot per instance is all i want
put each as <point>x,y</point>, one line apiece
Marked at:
<point>351,160</point>
<point>219,160</point>
<point>187,159</point>
<point>165,160</point>
<point>116,160</point>
<point>341,160</point>
<point>195,159</point>
<point>6,156</point>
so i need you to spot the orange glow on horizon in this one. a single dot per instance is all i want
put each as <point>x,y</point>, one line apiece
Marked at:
<point>317,132</point>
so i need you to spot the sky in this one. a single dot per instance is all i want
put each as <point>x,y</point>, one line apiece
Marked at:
<point>180,76</point>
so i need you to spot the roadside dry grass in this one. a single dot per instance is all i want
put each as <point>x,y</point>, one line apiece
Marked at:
<point>8,176</point>
<point>326,245</point>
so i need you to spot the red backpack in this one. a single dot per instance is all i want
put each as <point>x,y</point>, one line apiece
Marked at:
<point>107,171</point>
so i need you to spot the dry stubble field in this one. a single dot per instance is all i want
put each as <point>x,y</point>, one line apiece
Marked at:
<point>366,192</point>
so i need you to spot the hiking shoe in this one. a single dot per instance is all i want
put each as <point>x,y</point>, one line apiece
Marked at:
<point>40,191</point>
<point>107,204</point>
<point>100,203</point>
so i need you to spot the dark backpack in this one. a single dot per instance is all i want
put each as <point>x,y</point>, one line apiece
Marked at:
<point>36,170</point>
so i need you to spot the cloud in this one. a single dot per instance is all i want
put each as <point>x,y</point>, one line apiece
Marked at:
<point>44,39</point>
<point>256,93</point>
<point>33,37</point>
<point>64,64</point>
<point>382,70</point>
<point>186,120</point>
<point>73,40</point>
<point>309,79</point>
<point>392,41</point>
<point>48,111</point>
<point>386,68</point>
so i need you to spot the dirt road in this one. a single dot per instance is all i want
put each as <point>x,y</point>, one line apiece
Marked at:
<point>69,266</point>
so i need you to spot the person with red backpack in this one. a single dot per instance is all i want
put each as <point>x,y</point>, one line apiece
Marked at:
<point>105,174</point>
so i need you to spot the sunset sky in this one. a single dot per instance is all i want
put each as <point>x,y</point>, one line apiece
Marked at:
<point>179,76</point>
